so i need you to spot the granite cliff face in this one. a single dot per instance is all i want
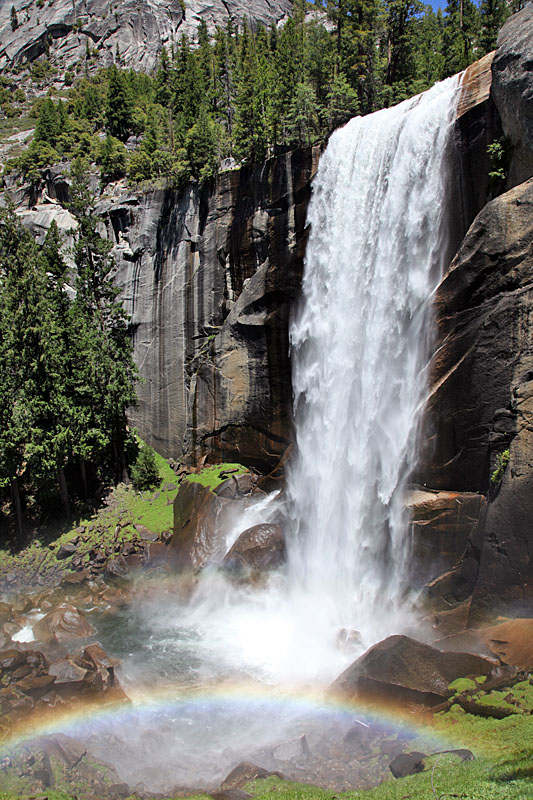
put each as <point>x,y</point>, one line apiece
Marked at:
<point>480,404</point>
<point>209,276</point>
<point>133,31</point>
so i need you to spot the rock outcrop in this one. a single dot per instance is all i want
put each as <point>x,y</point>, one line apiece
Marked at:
<point>400,670</point>
<point>209,276</point>
<point>481,399</point>
<point>512,90</point>
<point>131,33</point>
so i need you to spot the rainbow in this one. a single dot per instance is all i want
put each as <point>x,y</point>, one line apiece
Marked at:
<point>83,717</point>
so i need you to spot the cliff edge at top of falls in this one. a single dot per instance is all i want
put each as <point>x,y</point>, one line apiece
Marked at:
<point>135,29</point>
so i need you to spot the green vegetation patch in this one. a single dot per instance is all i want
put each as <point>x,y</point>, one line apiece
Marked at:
<point>462,685</point>
<point>217,474</point>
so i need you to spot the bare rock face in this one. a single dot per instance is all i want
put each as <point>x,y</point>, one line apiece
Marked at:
<point>442,523</point>
<point>481,400</point>
<point>131,33</point>
<point>401,670</point>
<point>511,642</point>
<point>512,90</point>
<point>209,276</point>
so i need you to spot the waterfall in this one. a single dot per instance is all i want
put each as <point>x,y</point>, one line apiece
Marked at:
<point>360,338</point>
<point>359,341</point>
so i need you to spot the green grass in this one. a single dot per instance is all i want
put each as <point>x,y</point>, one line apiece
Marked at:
<point>502,769</point>
<point>214,476</point>
<point>152,509</point>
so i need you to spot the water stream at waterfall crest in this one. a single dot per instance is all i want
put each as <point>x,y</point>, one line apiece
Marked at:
<point>252,658</point>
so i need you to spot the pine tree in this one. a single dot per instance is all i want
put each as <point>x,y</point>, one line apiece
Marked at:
<point>341,102</point>
<point>461,25</point>
<point>145,473</point>
<point>493,14</point>
<point>14,19</point>
<point>48,125</point>
<point>400,18</point>
<point>119,122</point>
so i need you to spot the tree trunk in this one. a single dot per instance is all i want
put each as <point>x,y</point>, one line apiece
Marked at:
<point>63,490</point>
<point>83,476</point>
<point>18,508</point>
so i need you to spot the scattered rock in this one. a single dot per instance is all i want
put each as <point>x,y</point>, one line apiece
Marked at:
<point>407,764</point>
<point>64,622</point>
<point>66,550</point>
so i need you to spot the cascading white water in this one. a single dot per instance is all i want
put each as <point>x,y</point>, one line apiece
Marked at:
<point>376,251</point>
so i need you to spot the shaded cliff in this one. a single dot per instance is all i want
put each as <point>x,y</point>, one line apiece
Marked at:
<point>209,276</point>
<point>480,400</point>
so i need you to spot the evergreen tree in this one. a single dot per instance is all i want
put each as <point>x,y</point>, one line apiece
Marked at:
<point>145,473</point>
<point>14,19</point>
<point>493,13</point>
<point>119,120</point>
<point>400,16</point>
<point>341,102</point>
<point>303,118</point>
<point>460,31</point>
<point>427,46</point>
<point>104,373</point>
<point>48,125</point>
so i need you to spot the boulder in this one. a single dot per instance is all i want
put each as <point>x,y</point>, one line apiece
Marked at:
<point>66,550</point>
<point>242,773</point>
<point>63,623</point>
<point>155,555</point>
<point>291,750</point>
<point>400,670</point>
<point>198,523</point>
<point>259,548</point>
<point>407,764</point>
<point>95,655</point>
<point>511,642</point>
<point>65,748</point>
<point>68,675</point>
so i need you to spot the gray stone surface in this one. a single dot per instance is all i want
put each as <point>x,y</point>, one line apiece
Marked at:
<point>481,400</point>
<point>512,90</point>
<point>136,30</point>
<point>209,276</point>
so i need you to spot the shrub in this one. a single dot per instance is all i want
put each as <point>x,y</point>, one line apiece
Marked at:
<point>145,472</point>
<point>502,459</point>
